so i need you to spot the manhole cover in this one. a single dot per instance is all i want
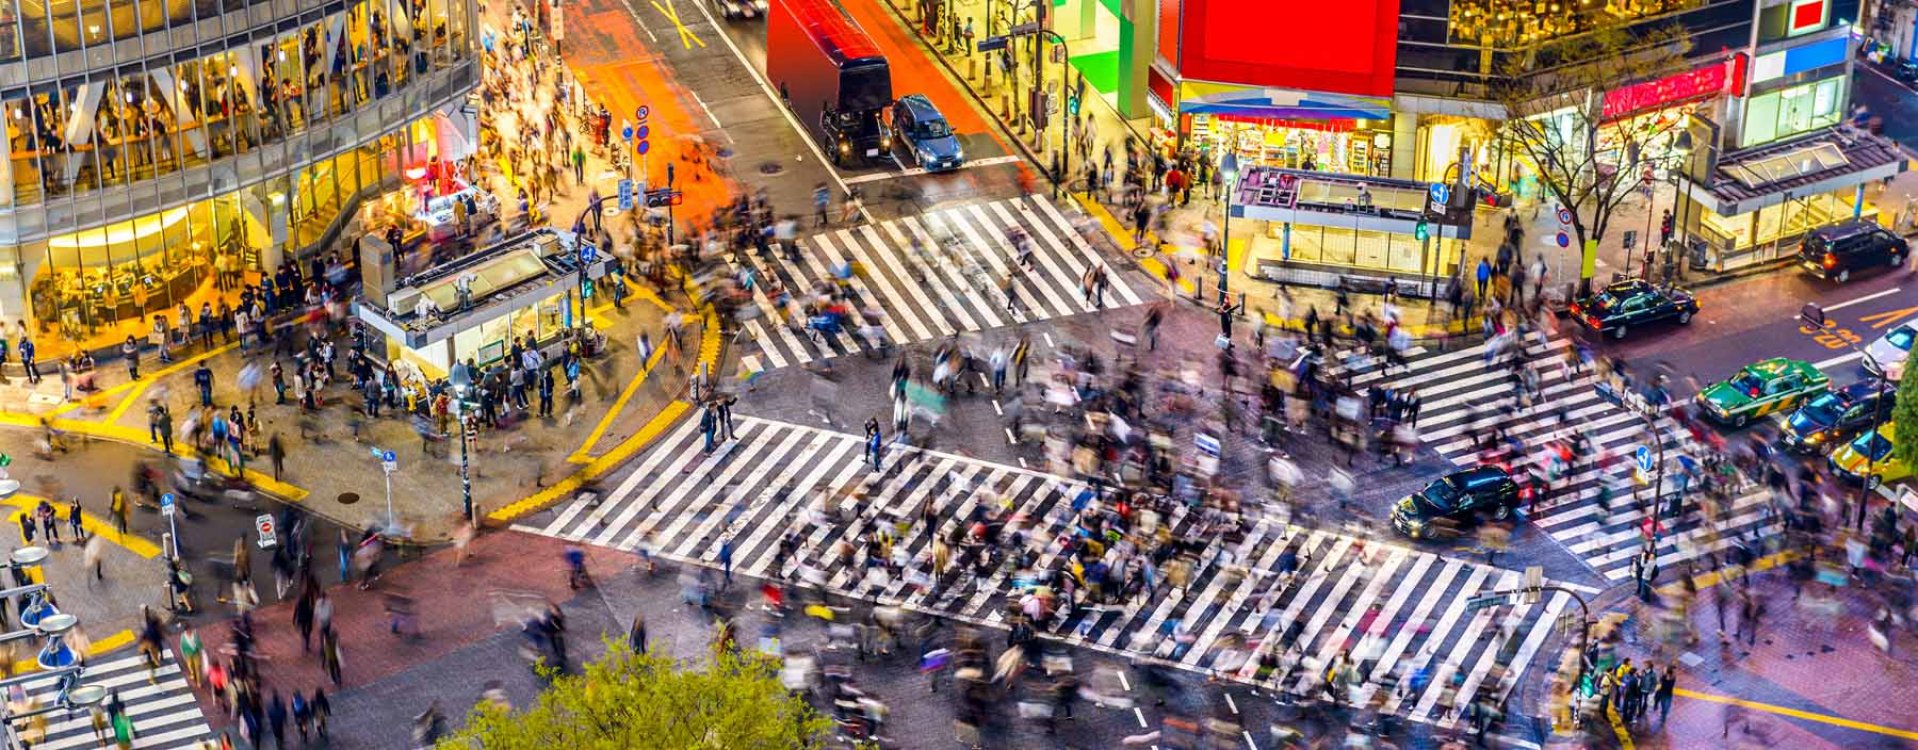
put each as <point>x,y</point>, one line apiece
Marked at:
<point>1142,252</point>
<point>349,498</point>
<point>771,167</point>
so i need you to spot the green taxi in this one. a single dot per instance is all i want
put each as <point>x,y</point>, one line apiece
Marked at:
<point>1761,388</point>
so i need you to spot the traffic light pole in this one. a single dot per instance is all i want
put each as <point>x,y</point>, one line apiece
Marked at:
<point>1035,103</point>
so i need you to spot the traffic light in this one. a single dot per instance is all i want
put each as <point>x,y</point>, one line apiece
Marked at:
<point>1423,231</point>
<point>586,289</point>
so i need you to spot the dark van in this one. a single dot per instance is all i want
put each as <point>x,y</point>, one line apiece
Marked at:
<point>1834,252</point>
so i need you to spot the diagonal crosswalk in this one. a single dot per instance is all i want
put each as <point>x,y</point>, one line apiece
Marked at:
<point>1311,594</point>
<point>919,301</point>
<point>164,712</point>
<point>1462,394</point>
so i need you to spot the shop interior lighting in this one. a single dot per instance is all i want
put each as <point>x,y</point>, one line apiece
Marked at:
<point>126,231</point>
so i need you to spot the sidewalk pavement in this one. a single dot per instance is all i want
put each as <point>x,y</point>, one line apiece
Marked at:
<point>453,606</point>
<point>1781,683</point>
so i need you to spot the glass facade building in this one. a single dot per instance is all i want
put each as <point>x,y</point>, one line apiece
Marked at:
<point>160,153</point>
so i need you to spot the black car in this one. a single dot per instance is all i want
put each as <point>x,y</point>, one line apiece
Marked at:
<point>1457,498</point>
<point>1832,417</point>
<point>1834,252</point>
<point>1905,70</point>
<point>1633,302</point>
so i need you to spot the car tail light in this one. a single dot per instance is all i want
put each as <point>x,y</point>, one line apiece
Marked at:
<point>1830,260</point>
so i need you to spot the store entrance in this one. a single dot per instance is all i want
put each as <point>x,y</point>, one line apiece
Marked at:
<point>1341,146</point>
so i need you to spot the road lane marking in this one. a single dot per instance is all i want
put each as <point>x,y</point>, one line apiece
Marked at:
<point>1797,714</point>
<point>1841,359</point>
<point>686,35</point>
<point>1860,300</point>
<point>1889,317</point>
<point>905,171</point>
<point>784,111</point>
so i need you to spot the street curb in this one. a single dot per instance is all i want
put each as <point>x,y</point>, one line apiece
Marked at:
<point>130,436</point>
<point>710,347</point>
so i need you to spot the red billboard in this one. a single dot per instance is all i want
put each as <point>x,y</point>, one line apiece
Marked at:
<point>1335,47</point>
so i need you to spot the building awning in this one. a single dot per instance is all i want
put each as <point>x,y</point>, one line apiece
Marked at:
<point>1334,200</point>
<point>1831,159</point>
<point>1204,97</point>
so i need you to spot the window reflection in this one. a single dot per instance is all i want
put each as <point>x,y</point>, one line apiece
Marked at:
<point>83,135</point>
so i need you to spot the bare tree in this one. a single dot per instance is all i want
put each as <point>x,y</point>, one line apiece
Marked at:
<point>1554,98</point>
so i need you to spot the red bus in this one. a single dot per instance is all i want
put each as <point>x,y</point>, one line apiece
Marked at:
<point>832,76</point>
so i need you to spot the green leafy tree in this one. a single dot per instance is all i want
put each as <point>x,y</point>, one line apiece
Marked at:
<point>626,700</point>
<point>1904,418</point>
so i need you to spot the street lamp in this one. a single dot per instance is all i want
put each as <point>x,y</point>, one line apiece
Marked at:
<point>462,383</point>
<point>1230,166</point>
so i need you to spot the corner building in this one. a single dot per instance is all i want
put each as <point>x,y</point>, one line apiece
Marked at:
<point>162,153</point>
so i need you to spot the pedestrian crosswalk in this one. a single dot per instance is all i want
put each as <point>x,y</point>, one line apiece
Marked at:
<point>944,292</point>
<point>164,712</point>
<point>1317,597</point>
<point>1463,395</point>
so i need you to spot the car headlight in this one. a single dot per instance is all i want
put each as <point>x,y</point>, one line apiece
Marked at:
<point>959,153</point>
<point>1814,438</point>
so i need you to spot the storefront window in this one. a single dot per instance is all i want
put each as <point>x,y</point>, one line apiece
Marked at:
<point>1343,146</point>
<point>1787,112</point>
<point>1358,249</point>
<point>1785,222</point>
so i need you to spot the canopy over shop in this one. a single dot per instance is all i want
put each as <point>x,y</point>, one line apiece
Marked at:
<point>474,308</point>
<point>1326,229</point>
<point>1752,205</point>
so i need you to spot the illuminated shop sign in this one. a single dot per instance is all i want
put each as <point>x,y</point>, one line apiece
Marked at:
<point>1639,97</point>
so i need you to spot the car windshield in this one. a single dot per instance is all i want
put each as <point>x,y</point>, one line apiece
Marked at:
<point>933,129</point>
<point>1748,383</point>
<point>1441,495</point>
<point>1824,409</point>
<point>1902,337</point>
<point>1873,445</point>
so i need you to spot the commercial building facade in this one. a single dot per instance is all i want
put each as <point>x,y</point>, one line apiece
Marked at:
<point>161,153</point>
<point>1406,90</point>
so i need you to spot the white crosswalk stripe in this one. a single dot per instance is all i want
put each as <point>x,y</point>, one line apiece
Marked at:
<point>1372,603</point>
<point>920,303</point>
<point>1462,396</point>
<point>164,712</point>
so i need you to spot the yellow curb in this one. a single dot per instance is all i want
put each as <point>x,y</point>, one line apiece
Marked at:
<point>1618,728</point>
<point>139,386</point>
<point>709,346</point>
<point>1797,714</point>
<point>138,438</point>
<point>540,500</point>
<point>117,640</point>
<point>95,525</point>
<point>1713,578</point>
<point>580,456</point>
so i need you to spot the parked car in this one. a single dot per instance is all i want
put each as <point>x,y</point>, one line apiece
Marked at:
<point>1461,496</point>
<point>917,124</point>
<point>1833,417</point>
<point>1616,309</point>
<point>1835,252</point>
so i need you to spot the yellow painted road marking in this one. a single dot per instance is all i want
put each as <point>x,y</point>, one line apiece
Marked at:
<point>1880,320</point>
<point>101,646</point>
<point>1836,721</point>
<point>102,527</point>
<point>613,458</point>
<point>138,387</point>
<point>1707,580</point>
<point>686,36</point>
<point>709,346</point>
<point>581,456</point>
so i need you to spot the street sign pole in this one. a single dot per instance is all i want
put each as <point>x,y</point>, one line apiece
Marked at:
<point>169,507</point>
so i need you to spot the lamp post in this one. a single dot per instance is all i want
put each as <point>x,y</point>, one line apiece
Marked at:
<point>462,383</point>
<point>1813,316</point>
<point>1230,167</point>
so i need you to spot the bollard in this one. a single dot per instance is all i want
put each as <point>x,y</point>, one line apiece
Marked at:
<point>972,69</point>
